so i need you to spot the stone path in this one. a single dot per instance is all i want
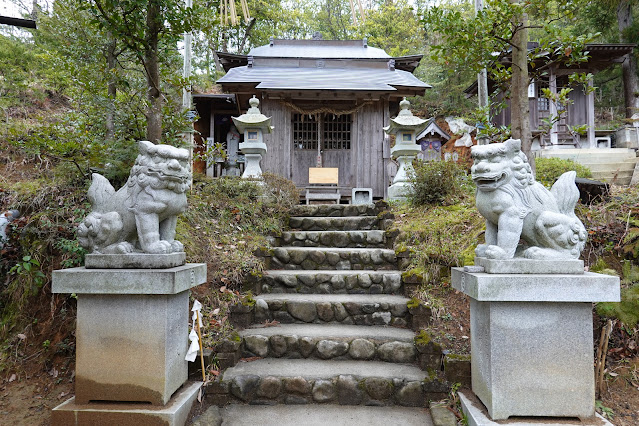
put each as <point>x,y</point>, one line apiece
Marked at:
<point>343,329</point>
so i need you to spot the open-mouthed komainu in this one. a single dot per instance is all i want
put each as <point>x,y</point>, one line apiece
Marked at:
<point>516,207</point>
<point>142,215</point>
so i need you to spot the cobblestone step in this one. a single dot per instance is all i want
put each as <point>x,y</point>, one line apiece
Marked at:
<point>313,415</point>
<point>353,223</point>
<point>334,210</point>
<point>357,239</point>
<point>331,282</point>
<point>330,258</point>
<point>359,309</point>
<point>330,341</point>
<point>301,381</point>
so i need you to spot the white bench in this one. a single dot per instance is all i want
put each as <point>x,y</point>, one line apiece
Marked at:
<point>323,184</point>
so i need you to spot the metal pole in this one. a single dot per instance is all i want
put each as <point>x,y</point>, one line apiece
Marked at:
<point>482,83</point>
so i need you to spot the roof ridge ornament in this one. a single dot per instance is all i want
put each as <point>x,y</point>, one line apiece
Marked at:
<point>391,65</point>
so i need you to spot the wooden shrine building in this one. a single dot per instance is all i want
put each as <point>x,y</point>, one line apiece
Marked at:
<point>329,102</point>
<point>580,112</point>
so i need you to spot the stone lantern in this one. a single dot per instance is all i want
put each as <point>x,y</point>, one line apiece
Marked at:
<point>405,126</point>
<point>253,124</point>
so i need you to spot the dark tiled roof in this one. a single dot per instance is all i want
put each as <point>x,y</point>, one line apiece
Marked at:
<point>274,78</point>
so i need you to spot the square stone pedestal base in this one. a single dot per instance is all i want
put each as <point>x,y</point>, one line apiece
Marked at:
<point>132,331</point>
<point>131,347</point>
<point>477,415</point>
<point>531,340</point>
<point>175,413</point>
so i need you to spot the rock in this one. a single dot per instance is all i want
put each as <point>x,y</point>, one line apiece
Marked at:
<point>278,345</point>
<point>353,308</point>
<point>283,317</point>
<point>441,415</point>
<point>306,346</point>
<point>322,278</point>
<point>306,279</point>
<point>401,352</point>
<point>340,239</point>
<point>324,289</point>
<point>338,282</point>
<point>332,258</point>
<point>592,190</point>
<point>270,387</point>
<point>297,256</point>
<point>323,391</point>
<point>275,305</point>
<point>282,255</point>
<point>244,387</point>
<point>376,289</point>
<point>211,417</point>
<point>392,282</point>
<point>298,385</point>
<point>257,344</point>
<point>399,309</point>
<point>292,344</point>
<point>348,391</point>
<point>361,349</point>
<point>369,308</point>
<point>351,281</point>
<point>325,311</point>
<point>343,265</point>
<point>376,257</point>
<point>309,265</point>
<point>261,311</point>
<point>411,395</point>
<point>378,388</point>
<point>304,311</point>
<point>288,280</point>
<point>375,237</point>
<point>340,312</point>
<point>357,237</point>
<point>328,349</point>
<point>364,280</point>
<point>381,318</point>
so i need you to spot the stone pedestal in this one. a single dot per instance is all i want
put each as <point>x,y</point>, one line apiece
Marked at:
<point>253,153</point>
<point>131,337</point>
<point>531,337</point>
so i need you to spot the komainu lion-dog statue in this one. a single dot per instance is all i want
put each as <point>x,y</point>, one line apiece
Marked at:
<point>516,207</point>
<point>142,215</point>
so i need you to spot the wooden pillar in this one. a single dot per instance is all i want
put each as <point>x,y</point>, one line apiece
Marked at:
<point>552,85</point>
<point>210,162</point>
<point>590,115</point>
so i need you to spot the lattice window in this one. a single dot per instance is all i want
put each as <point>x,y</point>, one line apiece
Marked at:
<point>304,131</point>
<point>337,131</point>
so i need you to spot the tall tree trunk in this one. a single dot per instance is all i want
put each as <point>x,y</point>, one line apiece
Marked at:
<point>520,110</point>
<point>111,89</point>
<point>629,66</point>
<point>154,95</point>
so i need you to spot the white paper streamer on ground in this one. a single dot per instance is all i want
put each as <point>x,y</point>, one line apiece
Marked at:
<point>191,354</point>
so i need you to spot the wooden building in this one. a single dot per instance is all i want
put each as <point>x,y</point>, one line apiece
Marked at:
<point>582,109</point>
<point>329,102</point>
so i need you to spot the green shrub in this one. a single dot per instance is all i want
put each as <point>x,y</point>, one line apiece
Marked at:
<point>438,182</point>
<point>549,169</point>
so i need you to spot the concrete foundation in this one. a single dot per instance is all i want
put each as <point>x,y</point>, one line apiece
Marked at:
<point>175,413</point>
<point>477,415</point>
<point>531,341</point>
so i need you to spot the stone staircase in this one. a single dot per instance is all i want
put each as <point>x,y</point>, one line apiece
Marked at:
<point>612,165</point>
<point>331,324</point>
